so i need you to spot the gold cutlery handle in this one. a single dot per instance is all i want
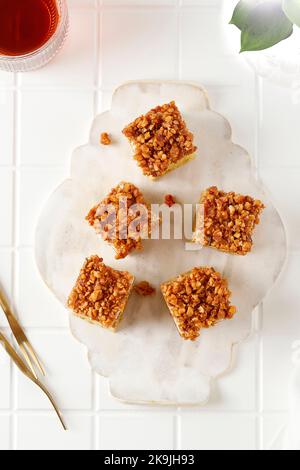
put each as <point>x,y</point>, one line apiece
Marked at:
<point>51,399</point>
<point>26,371</point>
<point>26,348</point>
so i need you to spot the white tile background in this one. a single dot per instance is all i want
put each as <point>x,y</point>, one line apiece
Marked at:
<point>43,116</point>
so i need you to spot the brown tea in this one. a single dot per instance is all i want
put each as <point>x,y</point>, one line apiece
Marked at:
<point>26,25</point>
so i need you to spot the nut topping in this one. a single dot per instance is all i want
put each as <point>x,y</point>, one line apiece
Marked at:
<point>144,288</point>
<point>105,139</point>
<point>100,293</point>
<point>229,220</point>
<point>161,140</point>
<point>198,299</point>
<point>122,219</point>
<point>170,200</point>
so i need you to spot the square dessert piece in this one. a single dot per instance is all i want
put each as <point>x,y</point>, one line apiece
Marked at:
<point>161,140</point>
<point>197,299</point>
<point>101,293</point>
<point>122,219</point>
<point>229,221</point>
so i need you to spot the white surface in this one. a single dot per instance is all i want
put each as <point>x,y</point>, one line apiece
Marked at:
<point>4,432</point>
<point>6,203</point>
<point>202,431</point>
<point>7,124</point>
<point>250,108</point>
<point>53,315</point>
<point>72,378</point>
<point>34,185</point>
<point>30,437</point>
<point>64,241</point>
<point>133,28</point>
<point>154,431</point>
<point>51,138</point>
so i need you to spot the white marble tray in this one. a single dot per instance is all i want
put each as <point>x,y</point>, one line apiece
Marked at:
<point>147,361</point>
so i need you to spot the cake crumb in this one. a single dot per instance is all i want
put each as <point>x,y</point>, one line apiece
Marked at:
<point>105,139</point>
<point>170,200</point>
<point>144,288</point>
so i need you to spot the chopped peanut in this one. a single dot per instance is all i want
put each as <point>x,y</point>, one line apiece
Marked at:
<point>170,200</point>
<point>112,229</point>
<point>229,220</point>
<point>105,139</point>
<point>161,140</point>
<point>144,288</point>
<point>198,299</point>
<point>100,294</point>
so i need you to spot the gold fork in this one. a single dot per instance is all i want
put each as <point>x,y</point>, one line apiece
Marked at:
<point>27,350</point>
<point>28,372</point>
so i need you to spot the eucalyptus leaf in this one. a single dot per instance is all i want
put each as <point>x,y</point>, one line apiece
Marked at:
<point>242,11</point>
<point>266,26</point>
<point>292,10</point>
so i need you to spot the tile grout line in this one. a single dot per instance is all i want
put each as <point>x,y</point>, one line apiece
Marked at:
<point>128,7</point>
<point>32,166</point>
<point>259,317</point>
<point>17,248</point>
<point>261,307</point>
<point>179,41</point>
<point>86,88</point>
<point>12,373</point>
<point>96,436</point>
<point>94,382</point>
<point>57,330</point>
<point>260,371</point>
<point>177,417</point>
<point>142,412</point>
<point>16,104</point>
<point>97,58</point>
<point>257,314</point>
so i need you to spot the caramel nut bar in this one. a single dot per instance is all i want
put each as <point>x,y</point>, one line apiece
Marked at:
<point>229,221</point>
<point>197,299</point>
<point>116,229</point>
<point>161,140</point>
<point>101,293</point>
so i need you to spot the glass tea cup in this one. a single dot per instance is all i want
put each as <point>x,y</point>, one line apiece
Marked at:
<point>31,32</point>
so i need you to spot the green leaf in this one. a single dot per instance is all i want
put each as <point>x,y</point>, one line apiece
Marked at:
<point>292,10</point>
<point>242,11</point>
<point>266,25</point>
